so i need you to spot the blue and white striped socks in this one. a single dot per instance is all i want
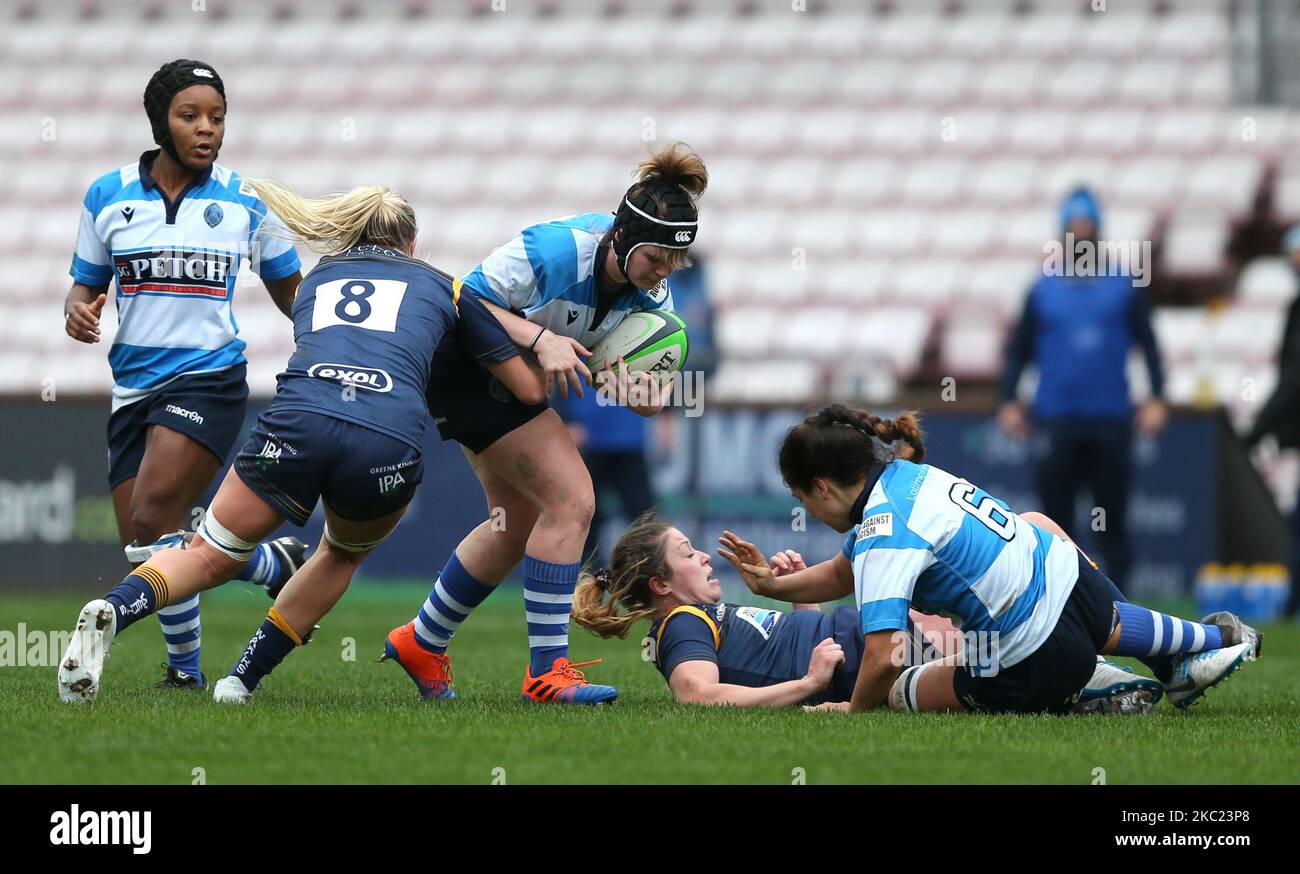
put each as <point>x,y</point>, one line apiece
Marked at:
<point>179,620</point>
<point>183,633</point>
<point>548,600</point>
<point>454,595</point>
<point>1146,633</point>
<point>263,568</point>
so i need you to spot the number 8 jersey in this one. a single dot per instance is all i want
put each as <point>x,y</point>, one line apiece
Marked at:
<point>929,539</point>
<point>366,324</point>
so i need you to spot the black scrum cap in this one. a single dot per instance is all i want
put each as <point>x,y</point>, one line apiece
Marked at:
<point>171,79</point>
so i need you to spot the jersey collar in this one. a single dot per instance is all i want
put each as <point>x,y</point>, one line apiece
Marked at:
<point>146,178</point>
<point>873,477</point>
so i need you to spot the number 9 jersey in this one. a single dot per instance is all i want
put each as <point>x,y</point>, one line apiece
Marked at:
<point>366,324</point>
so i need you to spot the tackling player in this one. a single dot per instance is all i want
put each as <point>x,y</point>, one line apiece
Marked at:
<point>1035,611</point>
<point>172,230</point>
<point>558,288</point>
<point>715,653</point>
<point>346,427</point>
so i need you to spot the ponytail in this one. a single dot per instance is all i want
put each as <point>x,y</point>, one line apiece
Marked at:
<point>840,443</point>
<point>611,601</point>
<point>371,214</point>
<point>676,164</point>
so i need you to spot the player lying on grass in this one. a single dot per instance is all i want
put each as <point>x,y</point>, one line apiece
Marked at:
<point>346,427</point>
<point>1034,610</point>
<point>558,288</point>
<point>716,653</point>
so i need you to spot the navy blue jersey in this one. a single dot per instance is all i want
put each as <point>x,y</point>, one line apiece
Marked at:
<point>754,647</point>
<point>367,324</point>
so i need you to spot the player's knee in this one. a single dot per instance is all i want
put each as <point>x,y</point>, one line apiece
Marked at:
<point>149,521</point>
<point>217,566</point>
<point>902,695</point>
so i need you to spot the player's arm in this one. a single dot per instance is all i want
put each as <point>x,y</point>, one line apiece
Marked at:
<point>91,271</point>
<point>877,671</point>
<point>524,380</point>
<point>696,682</point>
<point>557,355</point>
<point>81,310</point>
<point>825,581</point>
<point>283,291</point>
<point>885,570</point>
<point>485,339</point>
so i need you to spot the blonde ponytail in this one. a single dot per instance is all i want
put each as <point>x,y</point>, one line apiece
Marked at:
<point>370,214</point>
<point>611,601</point>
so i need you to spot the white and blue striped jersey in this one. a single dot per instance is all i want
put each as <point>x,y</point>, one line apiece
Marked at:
<point>548,274</point>
<point>175,266</point>
<point>931,540</point>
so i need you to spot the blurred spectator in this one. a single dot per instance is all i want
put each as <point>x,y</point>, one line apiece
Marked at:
<point>1078,331</point>
<point>1280,415</point>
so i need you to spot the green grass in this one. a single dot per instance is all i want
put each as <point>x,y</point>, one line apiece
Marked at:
<point>323,718</point>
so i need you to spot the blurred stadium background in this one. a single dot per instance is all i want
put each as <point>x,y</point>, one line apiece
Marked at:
<point>884,176</point>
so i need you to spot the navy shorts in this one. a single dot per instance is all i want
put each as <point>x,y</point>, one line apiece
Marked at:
<point>208,408</point>
<point>1050,679</point>
<point>474,408</point>
<point>295,457</point>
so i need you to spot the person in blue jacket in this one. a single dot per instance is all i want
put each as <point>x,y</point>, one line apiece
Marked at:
<point>1078,330</point>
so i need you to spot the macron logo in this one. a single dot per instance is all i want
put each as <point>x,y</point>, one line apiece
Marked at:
<point>133,828</point>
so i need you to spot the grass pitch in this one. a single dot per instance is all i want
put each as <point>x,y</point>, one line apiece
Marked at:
<point>331,715</point>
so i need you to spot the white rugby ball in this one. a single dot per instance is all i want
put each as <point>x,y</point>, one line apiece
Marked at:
<point>653,341</point>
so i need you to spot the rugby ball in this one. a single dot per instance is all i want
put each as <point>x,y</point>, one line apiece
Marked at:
<point>647,340</point>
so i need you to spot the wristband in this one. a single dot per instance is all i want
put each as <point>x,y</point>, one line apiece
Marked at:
<point>535,339</point>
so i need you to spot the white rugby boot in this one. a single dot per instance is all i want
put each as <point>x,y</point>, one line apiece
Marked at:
<point>231,690</point>
<point>83,661</point>
<point>1196,673</point>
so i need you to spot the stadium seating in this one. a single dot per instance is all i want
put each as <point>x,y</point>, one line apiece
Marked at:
<point>884,175</point>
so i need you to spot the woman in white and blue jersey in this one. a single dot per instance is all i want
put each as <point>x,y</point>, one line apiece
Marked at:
<point>346,428</point>
<point>1034,611</point>
<point>558,288</point>
<point>170,231</point>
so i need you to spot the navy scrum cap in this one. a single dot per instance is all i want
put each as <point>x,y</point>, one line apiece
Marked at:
<point>638,219</point>
<point>170,80</point>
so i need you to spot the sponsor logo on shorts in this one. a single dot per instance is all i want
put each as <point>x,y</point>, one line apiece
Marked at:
<point>270,453</point>
<point>390,483</point>
<point>184,413</point>
<point>371,378</point>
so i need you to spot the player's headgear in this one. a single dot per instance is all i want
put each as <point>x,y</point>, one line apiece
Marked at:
<point>638,219</point>
<point>171,79</point>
